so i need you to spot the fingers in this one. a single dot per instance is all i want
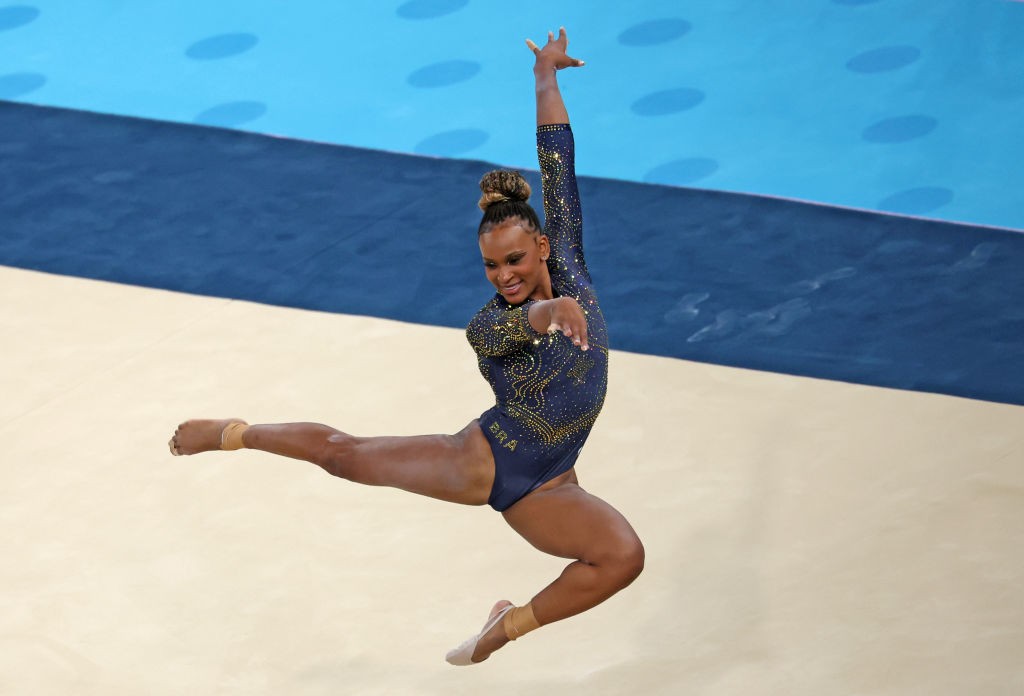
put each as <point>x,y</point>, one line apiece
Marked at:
<point>578,336</point>
<point>534,47</point>
<point>581,337</point>
<point>562,39</point>
<point>554,47</point>
<point>555,327</point>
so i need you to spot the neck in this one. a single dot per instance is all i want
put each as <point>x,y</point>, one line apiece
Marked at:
<point>544,290</point>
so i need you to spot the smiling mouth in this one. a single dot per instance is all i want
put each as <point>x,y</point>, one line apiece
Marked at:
<point>512,289</point>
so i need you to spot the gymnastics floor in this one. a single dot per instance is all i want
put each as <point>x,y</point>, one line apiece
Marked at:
<point>821,445</point>
<point>803,536</point>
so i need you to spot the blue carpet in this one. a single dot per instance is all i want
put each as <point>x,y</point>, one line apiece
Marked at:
<point>711,276</point>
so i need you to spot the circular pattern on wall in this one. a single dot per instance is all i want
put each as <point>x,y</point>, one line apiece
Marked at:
<point>899,129</point>
<point>231,114</point>
<point>442,74</point>
<point>682,172</point>
<point>452,143</point>
<point>429,9</point>
<point>669,101</point>
<point>15,85</point>
<point>655,31</point>
<point>15,16</point>
<point>883,59</point>
<point>221,46</point>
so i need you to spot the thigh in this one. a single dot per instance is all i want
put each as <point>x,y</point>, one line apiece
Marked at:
<point>457,468</point>
<point>568,522</point>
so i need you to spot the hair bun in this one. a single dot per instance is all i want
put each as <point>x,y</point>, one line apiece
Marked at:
<point>503,185</point>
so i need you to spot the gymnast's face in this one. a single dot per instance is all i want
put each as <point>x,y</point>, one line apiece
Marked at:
<point>515,260</point>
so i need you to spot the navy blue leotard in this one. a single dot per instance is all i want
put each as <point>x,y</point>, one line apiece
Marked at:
<point>548,392</point>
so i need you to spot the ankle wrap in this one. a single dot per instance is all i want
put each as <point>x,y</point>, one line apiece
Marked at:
<point>519,621</point>
<point>231,436</point>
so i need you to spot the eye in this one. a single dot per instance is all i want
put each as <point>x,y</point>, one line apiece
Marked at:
<point>513,260</point>
<point>490,264</point>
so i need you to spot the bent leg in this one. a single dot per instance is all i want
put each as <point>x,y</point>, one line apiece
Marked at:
<point>457,468</point>
<point>568,522</point>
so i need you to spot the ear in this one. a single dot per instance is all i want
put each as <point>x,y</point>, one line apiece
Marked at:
<point>544,247</point>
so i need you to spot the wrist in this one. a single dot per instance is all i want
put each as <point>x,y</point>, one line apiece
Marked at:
<point>544,70</point>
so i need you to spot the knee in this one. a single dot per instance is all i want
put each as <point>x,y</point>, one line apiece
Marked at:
<point>625,561</point>
<point>633,560</point>
<point>339,455</point>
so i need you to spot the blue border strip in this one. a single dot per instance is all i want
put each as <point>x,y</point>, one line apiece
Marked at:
<point>715,277</point>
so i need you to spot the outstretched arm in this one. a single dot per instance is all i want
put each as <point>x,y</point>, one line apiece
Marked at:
<point>563,216</point>
<point>497,331</point>
<point>563,220</point>
<point>550,59</point>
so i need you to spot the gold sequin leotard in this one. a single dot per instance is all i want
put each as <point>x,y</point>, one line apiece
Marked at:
<point>548,392</point>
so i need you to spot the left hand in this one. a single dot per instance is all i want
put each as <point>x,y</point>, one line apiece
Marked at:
<point>553,53</point>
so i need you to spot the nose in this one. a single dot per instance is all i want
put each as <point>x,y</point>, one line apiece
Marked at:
<point>504,274</point>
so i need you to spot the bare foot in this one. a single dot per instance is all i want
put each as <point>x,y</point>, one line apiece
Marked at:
<point>494,638</point>
<point>195,436</point>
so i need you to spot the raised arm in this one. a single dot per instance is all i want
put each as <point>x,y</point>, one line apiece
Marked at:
<point>563,217</point>
<point>550,59</point>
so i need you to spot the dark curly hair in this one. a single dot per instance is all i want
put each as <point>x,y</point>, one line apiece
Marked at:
<point>505,195</point>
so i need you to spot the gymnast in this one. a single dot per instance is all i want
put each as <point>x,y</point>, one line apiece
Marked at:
<point>541,342</point>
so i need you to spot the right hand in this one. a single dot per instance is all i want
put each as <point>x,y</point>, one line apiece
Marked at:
<point>567,317</point>
<point>553,53</point>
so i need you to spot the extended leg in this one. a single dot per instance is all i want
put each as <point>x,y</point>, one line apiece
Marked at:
<point>457,468</point>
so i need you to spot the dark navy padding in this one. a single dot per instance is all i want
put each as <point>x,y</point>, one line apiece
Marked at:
<point>717,277</point>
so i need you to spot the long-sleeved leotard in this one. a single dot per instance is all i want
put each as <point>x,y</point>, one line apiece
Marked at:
<point>548,392</point>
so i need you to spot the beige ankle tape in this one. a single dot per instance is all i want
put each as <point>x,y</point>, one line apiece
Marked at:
<point>231,436</point>
<point>519,621</point>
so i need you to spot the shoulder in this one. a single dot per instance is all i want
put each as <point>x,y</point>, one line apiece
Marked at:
<point>495,304</point>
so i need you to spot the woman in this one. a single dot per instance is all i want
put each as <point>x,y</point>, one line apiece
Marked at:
<point>541,343</point>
